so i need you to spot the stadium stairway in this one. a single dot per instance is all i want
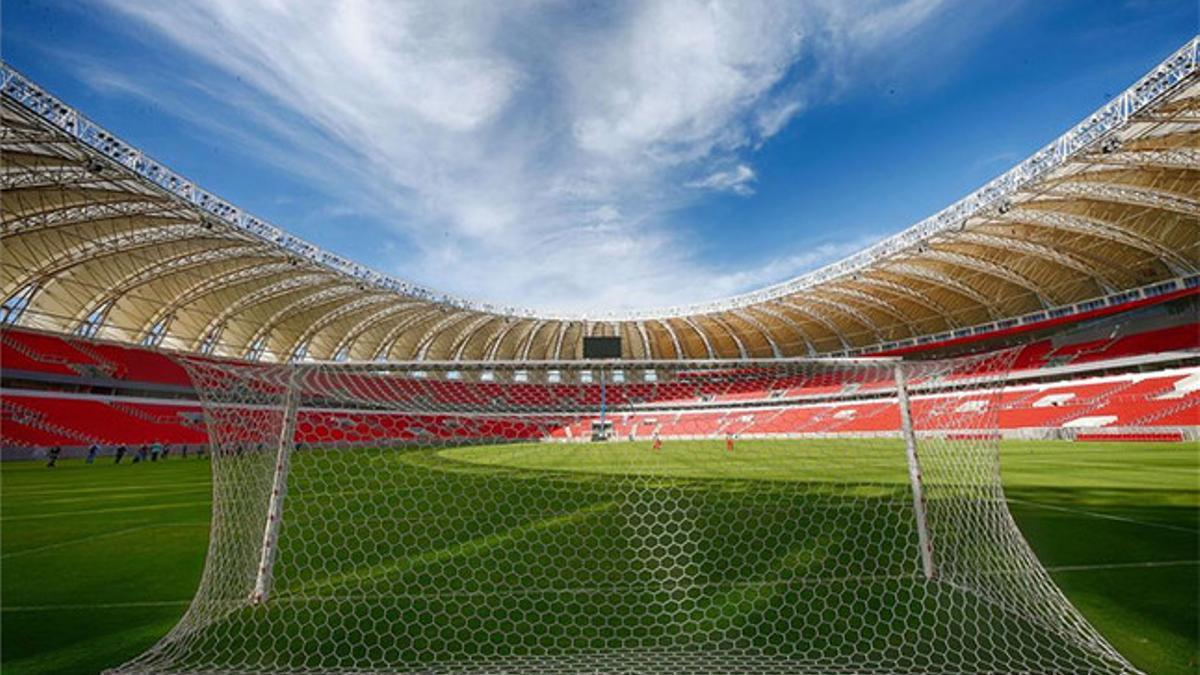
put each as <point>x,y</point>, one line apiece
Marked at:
<point>1185,412</point>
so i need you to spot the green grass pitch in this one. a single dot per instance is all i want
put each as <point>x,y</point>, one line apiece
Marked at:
<point>97,562</point>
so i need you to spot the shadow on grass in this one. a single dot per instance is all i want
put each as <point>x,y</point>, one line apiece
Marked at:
<point>1129,562</point>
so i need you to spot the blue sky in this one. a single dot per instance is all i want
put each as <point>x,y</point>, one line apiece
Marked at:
<point>591,156</point>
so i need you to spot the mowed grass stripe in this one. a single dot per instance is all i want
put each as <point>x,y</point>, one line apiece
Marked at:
<point>667,585</point>
<point>106,511</point>
<point>96,605</point>
<point>83,641</point>
<point>1123,566</point>
<point>1107,516</point>
<point>121,490</point>
<point>472,547</point>
<point>95,537</point>
<point>72,505</point>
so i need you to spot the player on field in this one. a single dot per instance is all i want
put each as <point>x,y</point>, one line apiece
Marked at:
<point>729,443</point>
<point>657,442</point>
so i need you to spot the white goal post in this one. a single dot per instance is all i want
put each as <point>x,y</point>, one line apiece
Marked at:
<point>799,515</point>
<point>924,541</point>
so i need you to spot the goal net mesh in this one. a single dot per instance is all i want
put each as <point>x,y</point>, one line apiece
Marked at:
<point>714,517</point>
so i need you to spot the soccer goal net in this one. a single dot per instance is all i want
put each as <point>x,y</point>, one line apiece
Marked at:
<point>811,516</point>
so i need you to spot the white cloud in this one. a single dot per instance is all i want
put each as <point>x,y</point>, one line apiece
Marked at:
<point>736,180</point>
<point>534,153</point>
<point>673,83</point>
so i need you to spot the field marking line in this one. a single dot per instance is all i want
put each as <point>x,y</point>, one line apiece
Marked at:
<point>112,499</point>
<point>470,547</point>
<point>89,512</point>
<point>121,490</point>
<point>93,537</point>
<point>800,581</point>
<point>669,585</point>
<point>99,605</point>
<point>1123,566</point>
<point>650,586</point>
<point>1104,516</point>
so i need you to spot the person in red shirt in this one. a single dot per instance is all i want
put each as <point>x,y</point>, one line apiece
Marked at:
<point>729,443</point>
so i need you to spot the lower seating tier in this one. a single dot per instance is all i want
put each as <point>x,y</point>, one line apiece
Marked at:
<point>1150,401</point>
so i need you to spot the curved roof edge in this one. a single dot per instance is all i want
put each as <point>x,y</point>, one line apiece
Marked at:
<point>1111,116</point>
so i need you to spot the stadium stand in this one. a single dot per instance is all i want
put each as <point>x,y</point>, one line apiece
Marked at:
<point>71,391</point>
<point>107,421</point>
<point>1131,400</point>
<point>1115,401</point>
<point>22,350</point>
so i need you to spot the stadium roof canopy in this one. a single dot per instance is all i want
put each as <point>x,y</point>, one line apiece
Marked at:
<point>101,240</point>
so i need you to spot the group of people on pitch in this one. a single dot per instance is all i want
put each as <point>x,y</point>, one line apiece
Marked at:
<point>147,452</point>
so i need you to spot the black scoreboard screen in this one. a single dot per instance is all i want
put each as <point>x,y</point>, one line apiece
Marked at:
<point>601,347</point>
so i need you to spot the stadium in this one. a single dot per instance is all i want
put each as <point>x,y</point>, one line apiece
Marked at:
<point>968,447</point>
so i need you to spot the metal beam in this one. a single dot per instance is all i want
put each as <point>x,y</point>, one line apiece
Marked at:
<point>674,338</point>
<point>1008,243</point>
<point>493,344</point>
<point>1098,227</point>
<point>435,331</point>
<point>712,353</point>
<point>101,212</point>
<point>949,283</point>
<point>173,265</point>
<point>523,349</point>
<point>875,301</point>
<point>647,350</point>
<point>1185,116</point>
<point>329,318</point>
<point>987,267</point>
<point>917,297</point>
<point>301,304</point>
<point>368,322</point>
<point>1144,197</point>
<point>852,312</point>
<point>266,294</point>
<point>67,176</point>
<point>737,340</point>
<point>216,283</point>
<point>810,348</point>
<point>111,245</point>
<point>388,343</point>
<point>1186,158</point>
<point>460,343</point>
<point>749,318</point>
<point>562,333</point>
<point>829,325</point>
<point>20,160</point>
